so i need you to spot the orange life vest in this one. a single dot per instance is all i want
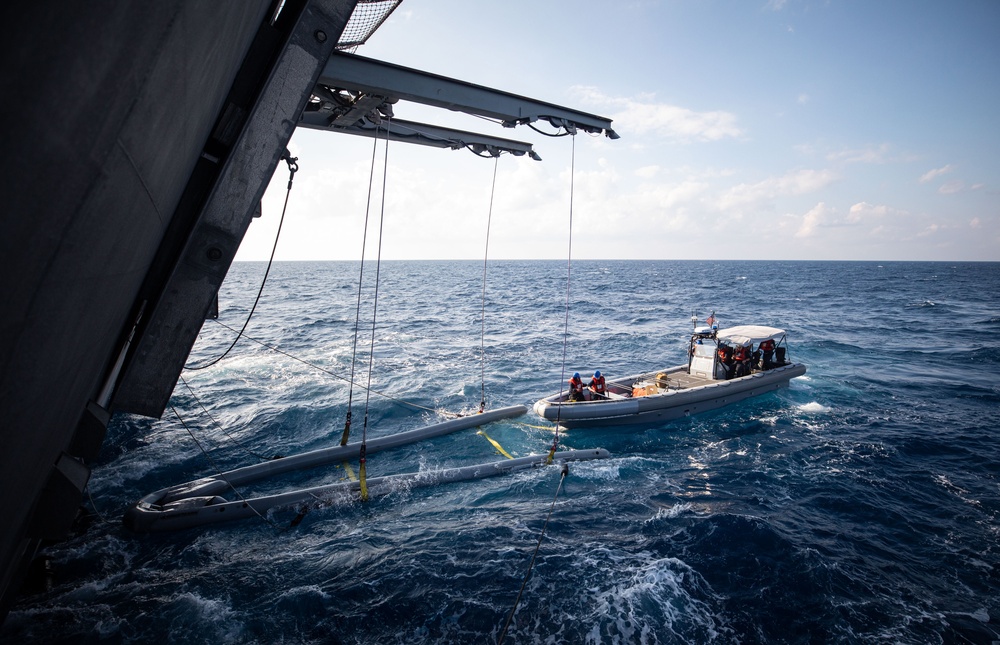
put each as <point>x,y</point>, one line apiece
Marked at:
<point>576,385</point>
<point>597,385</point>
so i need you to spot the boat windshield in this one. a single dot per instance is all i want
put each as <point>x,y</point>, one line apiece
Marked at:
<point>706,350</point>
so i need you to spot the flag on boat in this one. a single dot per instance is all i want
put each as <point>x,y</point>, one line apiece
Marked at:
<point>711,319</point>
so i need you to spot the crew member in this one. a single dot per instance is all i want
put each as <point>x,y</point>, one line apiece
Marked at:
<point>726,360</point>
<point>766,354</point>
<point>576,387</point>
<point>742,359</point>
<point>598,387</point>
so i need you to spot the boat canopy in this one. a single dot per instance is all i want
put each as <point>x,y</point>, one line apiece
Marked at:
<point>750,334</point>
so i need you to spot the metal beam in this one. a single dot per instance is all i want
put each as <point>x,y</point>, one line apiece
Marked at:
<point>395,82</point>
<point>422,133</point>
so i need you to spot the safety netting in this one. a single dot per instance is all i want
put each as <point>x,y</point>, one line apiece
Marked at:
<point>367,17</point>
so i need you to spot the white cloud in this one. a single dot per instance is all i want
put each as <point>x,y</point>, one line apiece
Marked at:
<point>863,211</point>
<point>803,99</point>
<point>642,115</point>
<point>869,154</point>
<point>881,218</point>
<point>818,216</point>
<point>975,223</point>
<point>937,172</point>
<point>930,230</point>
<point>952,187</point>
<point>799,182</point>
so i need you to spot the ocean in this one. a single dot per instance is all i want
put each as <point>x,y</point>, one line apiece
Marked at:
<point>860,504</point>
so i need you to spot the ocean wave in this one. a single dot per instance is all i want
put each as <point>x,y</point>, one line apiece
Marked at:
<point>857,505</point>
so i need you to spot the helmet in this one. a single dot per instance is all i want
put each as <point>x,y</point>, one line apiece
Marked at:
<point>597,374</point>
<point>576,375</point>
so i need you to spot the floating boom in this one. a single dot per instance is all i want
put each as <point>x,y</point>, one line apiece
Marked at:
<point>190,512</point>
<point>217,484</point>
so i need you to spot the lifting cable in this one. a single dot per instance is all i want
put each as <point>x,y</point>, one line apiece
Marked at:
<point>320,368</point>
<point>486,255</point>
<point>569,270</point>
<point>531,565</point>
<point>371,350</point>
<point>361,278</point>
<point>293,167</point>
<point>218,425</point>
<point>218,470</point>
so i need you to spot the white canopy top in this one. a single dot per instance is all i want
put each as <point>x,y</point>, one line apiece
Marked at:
<point>744,334</point>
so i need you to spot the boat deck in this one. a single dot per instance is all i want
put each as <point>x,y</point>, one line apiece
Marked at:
<point>683,380</point>
<point>674,380</point>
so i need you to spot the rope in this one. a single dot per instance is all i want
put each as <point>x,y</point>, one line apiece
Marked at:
<point>486,255</point>
<point>293,167</point>
<point>531,565</point>
<point>371,350</point>
<point>218,469</point>
<point>361,278</point>
<point>103,519</point>
<point>218,425</point>
<point>320,368</point>
<point>569,271</point>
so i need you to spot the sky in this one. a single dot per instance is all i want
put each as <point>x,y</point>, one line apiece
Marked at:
<point>750,130</point>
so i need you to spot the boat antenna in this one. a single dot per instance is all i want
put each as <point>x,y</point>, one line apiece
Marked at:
<point>371,352</point>
<point>357,313</point>
<point>569,272</point>
<point>482,333</point>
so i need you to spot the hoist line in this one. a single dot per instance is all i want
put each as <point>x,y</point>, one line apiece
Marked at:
<point>371,351</point>
<point>293,167</point>
<point>361,279</point>
<point>217,424</point>
<point>216,467</point>
<point>531,565</point>
<point>415,406</point>
<point>486,255</point>
<point>569,271</point>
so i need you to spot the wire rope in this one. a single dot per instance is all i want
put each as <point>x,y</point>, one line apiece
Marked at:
<point>218,425</point>
<point>371,352</point>
<point>569,272</point>
<point>482,318</point>
<point>293,167</point>
<point>531,565</point>
<point>320,368</point>
<point>218,469</point>
<point>361,279</point>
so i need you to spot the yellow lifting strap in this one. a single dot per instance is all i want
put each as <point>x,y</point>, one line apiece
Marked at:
<point>347,425</point>
<point>495,445</point>
<point>361,474</point>
<point>364,484</point>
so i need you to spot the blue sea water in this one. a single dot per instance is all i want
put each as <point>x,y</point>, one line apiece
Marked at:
<point>861,504</point>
